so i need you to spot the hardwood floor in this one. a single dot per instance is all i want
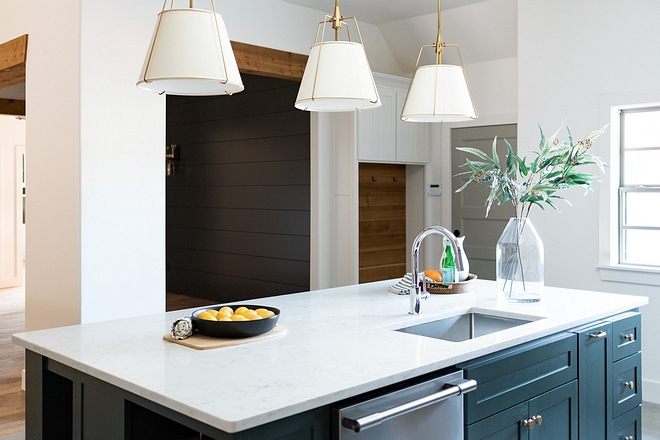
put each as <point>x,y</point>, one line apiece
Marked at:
<point>12,398</point>
<point>12,359</point>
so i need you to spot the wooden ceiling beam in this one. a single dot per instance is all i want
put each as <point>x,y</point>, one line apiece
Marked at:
<point>13,55</point>
<point>273,63</point>
<point>14,107</point>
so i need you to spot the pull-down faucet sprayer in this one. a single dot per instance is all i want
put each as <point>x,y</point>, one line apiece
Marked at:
<point>418,292</point>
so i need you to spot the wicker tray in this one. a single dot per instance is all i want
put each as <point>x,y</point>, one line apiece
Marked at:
<point>460,287</point>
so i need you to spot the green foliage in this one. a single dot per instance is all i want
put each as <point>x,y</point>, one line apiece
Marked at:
<point>526,184</point>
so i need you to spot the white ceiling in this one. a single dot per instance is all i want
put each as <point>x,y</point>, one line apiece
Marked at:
<point>381,11</point>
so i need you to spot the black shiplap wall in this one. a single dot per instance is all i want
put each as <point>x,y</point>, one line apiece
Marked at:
<point>238,205</point>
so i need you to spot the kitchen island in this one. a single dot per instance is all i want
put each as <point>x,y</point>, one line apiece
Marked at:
<point>340,343</point>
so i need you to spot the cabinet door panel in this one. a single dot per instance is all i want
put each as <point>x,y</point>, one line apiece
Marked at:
<point>386,118</point>
<point>626,384</point>
<point>628,426</point>
<point>511,376</point>
<point>505,425</point>
<point>412,138</point>
<point>594,360</point>
<point>627,333</point>
<point>558,412</point>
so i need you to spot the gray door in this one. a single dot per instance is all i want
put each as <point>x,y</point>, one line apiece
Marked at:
<point>468,207</point>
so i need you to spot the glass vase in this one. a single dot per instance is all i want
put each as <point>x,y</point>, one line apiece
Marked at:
<point>519,262</point>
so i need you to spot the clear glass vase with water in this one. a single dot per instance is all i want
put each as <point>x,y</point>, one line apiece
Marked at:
<point>519,261</point>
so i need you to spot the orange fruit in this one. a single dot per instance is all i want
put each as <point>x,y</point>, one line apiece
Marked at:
<point>433,274</point>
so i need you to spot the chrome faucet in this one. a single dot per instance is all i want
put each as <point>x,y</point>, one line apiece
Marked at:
<point>418,292</point>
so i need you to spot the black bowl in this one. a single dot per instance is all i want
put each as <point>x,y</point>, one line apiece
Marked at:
<point>235,329</point>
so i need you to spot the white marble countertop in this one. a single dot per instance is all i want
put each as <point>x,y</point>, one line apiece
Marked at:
<point>339,344</point>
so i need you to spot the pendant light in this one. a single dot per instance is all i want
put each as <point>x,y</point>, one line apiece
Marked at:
<point>439,92</point>
<point>337,76</point>
<point>190,54</point>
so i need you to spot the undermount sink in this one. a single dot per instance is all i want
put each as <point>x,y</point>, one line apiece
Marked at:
<point>470,325</point>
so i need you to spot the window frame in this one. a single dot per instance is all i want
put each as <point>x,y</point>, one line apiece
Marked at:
<point>609,267</point>
<point>624,189</point>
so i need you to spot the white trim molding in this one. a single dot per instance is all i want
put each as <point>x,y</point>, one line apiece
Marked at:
<point>609,268</point>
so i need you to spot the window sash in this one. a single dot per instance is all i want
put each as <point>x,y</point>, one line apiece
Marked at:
<point>626,190</point>
<point>624,227</point>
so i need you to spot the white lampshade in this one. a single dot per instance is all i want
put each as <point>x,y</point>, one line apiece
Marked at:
<point>190,54</point>
<point>337,78</point>
<point>438,93</point>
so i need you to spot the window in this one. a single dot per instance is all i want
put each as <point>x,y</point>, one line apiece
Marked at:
<point>639,187</point>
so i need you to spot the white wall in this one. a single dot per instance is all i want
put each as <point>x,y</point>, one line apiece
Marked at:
<point>122,165</point>
<point>569,54</point>
<point>52,151</point>
<point>292,28</point>
<point>96,188</point>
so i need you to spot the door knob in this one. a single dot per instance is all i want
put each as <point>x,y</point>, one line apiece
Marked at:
<point>529,423</point>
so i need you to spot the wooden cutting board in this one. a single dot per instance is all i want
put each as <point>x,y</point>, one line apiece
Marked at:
<point>203,342</point>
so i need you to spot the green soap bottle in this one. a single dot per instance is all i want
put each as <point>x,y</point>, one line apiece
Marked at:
<point>449,272</point>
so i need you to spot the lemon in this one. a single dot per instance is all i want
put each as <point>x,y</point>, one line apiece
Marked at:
<point>212,312</point>
<point>238,317</point>
<point>254,317</point>
<point>207,316</point>
<point>222,313</point>
<point>240,310</point>
<point>226,309</point>
<point>249,312</point>
<point>224,318</point>
<point>264,313</point>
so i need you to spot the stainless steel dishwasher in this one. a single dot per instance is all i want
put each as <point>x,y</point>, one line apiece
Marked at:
<point>430,408</point>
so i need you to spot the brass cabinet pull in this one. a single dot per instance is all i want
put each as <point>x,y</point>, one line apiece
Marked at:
<point>629,337</point>
<point>629,437</point>
<point>630,384</point>
<point>600,334</point>
<point>538,420</point>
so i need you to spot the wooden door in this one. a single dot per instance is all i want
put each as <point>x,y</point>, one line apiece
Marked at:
<point>382,221</point>
<point>468,207</point>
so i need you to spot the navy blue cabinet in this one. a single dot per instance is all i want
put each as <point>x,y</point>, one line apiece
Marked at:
<point>609,375</point>
<point>527,392</point>
<point>582,384</point>
<point>551,416</point>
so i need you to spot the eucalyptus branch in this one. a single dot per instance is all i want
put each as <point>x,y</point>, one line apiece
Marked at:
<point>523,185</point>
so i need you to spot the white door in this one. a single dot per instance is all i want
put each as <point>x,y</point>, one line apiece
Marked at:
<point>11,215</point>
<point>468,207</point>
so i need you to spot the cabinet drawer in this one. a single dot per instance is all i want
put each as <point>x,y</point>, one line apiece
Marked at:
<point>628,426</point>
<point>626,384</point>
<point>627,335</point>
<point>515,375</point>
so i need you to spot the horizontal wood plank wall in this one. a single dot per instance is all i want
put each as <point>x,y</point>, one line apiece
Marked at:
<point>382,221</point>
<point>238,204</point>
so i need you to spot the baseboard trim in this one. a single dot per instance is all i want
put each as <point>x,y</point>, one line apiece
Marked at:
<point>651,391</point>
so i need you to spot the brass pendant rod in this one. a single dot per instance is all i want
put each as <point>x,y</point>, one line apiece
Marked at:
<point>439,45</point>
<point>336,20</point>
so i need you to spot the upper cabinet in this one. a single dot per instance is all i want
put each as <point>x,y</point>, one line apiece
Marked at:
<point>382,136</point>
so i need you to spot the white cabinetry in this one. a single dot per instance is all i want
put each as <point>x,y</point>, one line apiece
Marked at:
<point>382,136</point>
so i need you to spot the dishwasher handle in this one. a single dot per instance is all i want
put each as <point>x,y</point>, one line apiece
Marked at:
<point>450,389</point>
